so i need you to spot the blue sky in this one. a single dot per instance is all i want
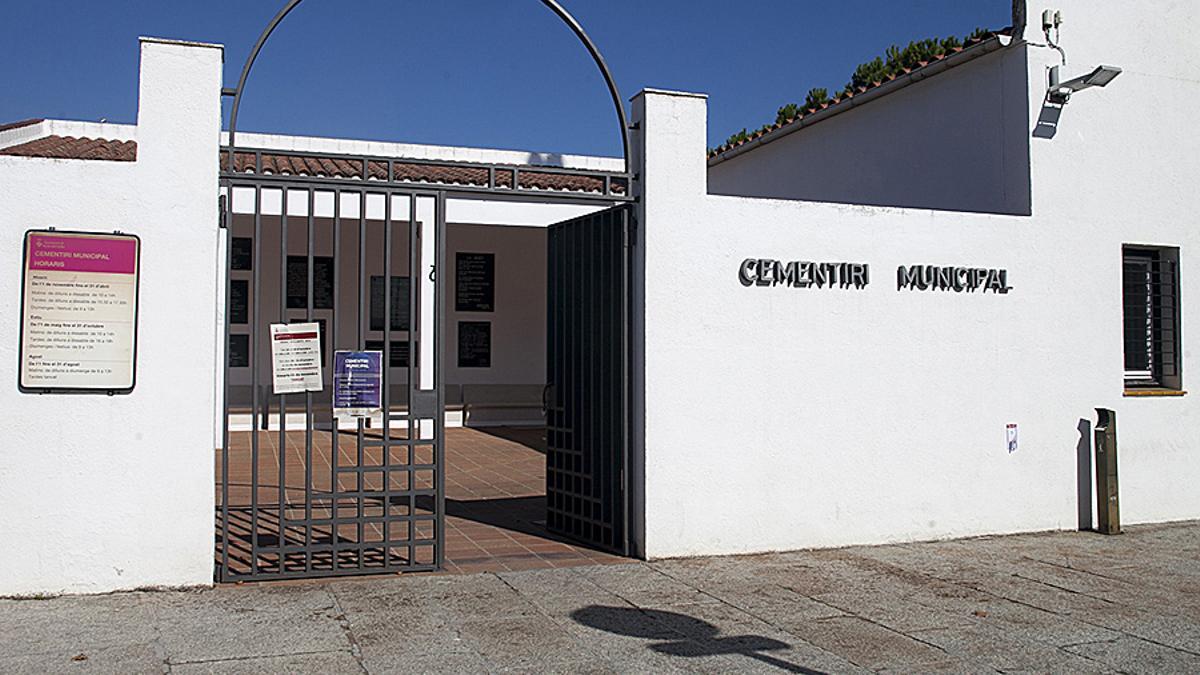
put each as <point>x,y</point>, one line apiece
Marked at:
<point>489,73</point>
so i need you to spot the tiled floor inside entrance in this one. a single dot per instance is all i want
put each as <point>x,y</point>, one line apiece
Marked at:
<point>495,497</point>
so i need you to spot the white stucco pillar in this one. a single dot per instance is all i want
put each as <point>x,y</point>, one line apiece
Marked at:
<point>179,106</point>
<point>670,142</point>
<point>179,125</point>
<point>668,152</point>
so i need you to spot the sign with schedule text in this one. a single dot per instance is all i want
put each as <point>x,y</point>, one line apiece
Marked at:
<point>79,303</point>
<point>296,357</point>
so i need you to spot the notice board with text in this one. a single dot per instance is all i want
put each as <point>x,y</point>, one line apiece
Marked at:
<point>79,305</point>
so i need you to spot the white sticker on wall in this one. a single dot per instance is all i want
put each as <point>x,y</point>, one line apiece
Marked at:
<point>1010,435</point>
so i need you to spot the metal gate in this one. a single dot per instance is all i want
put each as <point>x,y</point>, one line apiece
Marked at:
<point>587,368</point>
<point>301,494</point>
<point>371,498</point>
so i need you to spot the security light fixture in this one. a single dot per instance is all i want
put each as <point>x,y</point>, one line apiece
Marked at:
<point>1060,92</point>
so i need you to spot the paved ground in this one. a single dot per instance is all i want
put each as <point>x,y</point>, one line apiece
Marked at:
<point>1066,602</point>
<point>495,501</point>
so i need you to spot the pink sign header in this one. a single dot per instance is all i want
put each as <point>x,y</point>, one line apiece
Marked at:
<point>105,254</point>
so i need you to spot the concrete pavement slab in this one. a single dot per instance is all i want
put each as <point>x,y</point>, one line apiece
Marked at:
<point>131,659</point>
<point>250,621</point>
<point>994,648</point>
<point>332,663</point>
<point>1061,602</point>
<point>1133,655</point>
<point>867,644</point>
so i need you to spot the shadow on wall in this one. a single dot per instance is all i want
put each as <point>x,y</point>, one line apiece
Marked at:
<point>1047,122</point>
<point>1083,461</point>
<point>680,635</point>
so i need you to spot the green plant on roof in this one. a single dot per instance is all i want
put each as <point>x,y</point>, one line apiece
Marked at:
<point>896,61</point>
<point>815,98</point>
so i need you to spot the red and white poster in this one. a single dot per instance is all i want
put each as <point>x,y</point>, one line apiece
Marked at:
<point>296,357</point>
<point>79,312</point>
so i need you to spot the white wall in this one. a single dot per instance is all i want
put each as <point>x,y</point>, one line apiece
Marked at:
<point>954,141</point>
<point>100,493</point>
<point>1123,168</point>
<point>781,418</point>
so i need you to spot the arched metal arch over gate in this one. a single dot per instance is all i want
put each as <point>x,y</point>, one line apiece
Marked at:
<point>356,243</point>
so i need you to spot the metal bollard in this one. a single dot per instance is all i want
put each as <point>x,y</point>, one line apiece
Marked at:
<point>1108,506</point>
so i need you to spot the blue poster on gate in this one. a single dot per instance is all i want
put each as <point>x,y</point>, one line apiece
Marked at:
<point>357,384</point>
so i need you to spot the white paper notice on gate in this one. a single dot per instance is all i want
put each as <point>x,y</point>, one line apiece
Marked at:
<point>295,357</point>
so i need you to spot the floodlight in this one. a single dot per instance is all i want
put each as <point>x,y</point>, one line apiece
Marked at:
<point>1060,92</point>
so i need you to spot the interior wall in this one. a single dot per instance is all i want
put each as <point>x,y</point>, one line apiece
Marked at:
<point>518,322</point>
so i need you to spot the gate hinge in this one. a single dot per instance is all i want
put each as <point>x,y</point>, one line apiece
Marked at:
<point>223,217</point>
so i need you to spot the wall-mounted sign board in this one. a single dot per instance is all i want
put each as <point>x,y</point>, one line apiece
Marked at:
<point>79,304</point>
<point>239,301</point>
<point>474,282</point>
<point>474,344</point>
<point>297,282</point>
<point>399,301</point>
<point>241,254</point>
<point>239,350</point>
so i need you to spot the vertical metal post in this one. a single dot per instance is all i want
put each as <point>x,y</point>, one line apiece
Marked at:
<point>1108,507</point>
<point>255,329</point>
<point>412,382</point>
<point>384,493</point>
<point>362,313</point>
<point>628,227</point>
<point>309,245</point>
<point>227,225</point>
<point>283,449</point>
<point>335,442</point>
<point>439,370</point>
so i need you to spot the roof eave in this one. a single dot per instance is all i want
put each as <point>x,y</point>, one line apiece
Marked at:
<point>971,53</point>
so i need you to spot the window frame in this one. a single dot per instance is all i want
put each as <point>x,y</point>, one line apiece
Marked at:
<point>1162,307</point>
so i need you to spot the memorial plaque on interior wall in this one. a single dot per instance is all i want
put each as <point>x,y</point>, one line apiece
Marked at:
<point>241,253</point>
<point>399,354</point>
<point>239,351</point>
<point>297,282</point>
<point>239,301</point>
<point>475,282</point>
<point>474,344</point>
<point>400,306</point>
<point>79,308</point>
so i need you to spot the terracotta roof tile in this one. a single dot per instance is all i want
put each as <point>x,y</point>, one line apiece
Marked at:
<point>70,147</point>
<point>278,163</point>
<point>21,123</point>
<point>447,173</point>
